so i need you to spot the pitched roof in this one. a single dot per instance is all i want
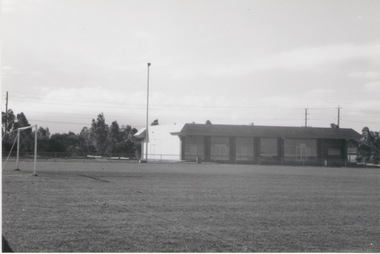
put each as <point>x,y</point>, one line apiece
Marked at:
<point>173,129</point>
<point>140,134</point>
<point>267,131</point>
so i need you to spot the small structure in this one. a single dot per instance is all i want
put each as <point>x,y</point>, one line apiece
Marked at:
<point>162,145</point>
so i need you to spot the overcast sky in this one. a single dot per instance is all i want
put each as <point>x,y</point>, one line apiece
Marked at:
<point>228,61</point>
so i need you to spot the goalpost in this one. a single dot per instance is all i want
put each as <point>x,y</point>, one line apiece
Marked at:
<point>35,147</point>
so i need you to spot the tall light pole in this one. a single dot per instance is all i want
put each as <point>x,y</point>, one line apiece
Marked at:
<point>147,115</point>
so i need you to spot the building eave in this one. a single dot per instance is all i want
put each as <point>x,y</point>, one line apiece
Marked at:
<point>267,131</point>
<point>141,134</point>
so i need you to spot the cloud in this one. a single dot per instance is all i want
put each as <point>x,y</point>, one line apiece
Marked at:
<point>6,9</point>
<point>102,97</point>
<point>316,98</point>
<point>321,92</point>
<point>305,59</point>
<point>85,95</point>
<point>125,107</point>
<point>367,107</point>
<point>365,75</point>
<point>7,68</point>
<point>144,36</point>
<point>317,57</point>
<point>12,5</point>
<point>373,86</point>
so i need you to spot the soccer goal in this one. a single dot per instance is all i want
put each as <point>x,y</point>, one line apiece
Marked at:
<point>18,147</point>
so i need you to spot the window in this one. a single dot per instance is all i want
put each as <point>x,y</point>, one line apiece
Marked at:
<point>194,147</point>
<point>244,149</point>
<point>268,147</point>
<point>220,149</point>
<point>300,149</point>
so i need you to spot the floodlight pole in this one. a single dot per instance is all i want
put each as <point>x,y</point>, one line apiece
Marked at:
<point>147,115</point>
<point>6,112</point>
<point>35,151</point>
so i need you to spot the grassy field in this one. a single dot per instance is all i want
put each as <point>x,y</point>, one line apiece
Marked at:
<point>183,207</point>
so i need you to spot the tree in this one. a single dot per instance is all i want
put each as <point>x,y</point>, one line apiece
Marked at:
<point>85,142</point>
<point>43,139</point>
<point>65,143</point>
<point>369,147</point>
<point>104,140</point>
<point>7,129</point>
<point>26,137</point>
<point>127,143</point>
<point>99,131</point>
<point>99,138</point>
<point>9,126</point>
<point>22,121</point>
<point>376,147</point>
<point>208,122</point>
<point>7,121</point>
<point>113,137</point>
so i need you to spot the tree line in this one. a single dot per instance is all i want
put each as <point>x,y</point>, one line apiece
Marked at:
<point>99,139</point>
<point>106,140</point>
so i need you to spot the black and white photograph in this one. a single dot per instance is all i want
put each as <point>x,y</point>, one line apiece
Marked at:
<point>190,126</point>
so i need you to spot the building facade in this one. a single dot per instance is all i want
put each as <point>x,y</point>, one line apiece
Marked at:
<point>267,144</point>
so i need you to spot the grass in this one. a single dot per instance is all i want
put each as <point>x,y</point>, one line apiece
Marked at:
<point>179,207</point>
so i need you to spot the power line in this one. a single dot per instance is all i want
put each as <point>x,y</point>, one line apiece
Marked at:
<point>71,123</point>
<point>157,106</point>
<point>121,106</point>
<point>60,122</point>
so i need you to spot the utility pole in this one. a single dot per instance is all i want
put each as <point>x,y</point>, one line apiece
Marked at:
<point>306,117</point>
<point>339,107</point>
<point>6,114</point>
<point>147,115</point>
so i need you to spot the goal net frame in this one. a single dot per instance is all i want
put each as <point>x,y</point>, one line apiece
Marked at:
<point>35,147</point>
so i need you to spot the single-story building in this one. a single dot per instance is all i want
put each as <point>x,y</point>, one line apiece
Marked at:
<point>260,144</point>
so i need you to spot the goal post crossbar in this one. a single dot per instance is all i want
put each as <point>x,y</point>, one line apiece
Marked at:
<point>27,127</point>
<point>35,147</point>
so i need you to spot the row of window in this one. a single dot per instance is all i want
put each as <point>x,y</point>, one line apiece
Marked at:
<point>294,149</point>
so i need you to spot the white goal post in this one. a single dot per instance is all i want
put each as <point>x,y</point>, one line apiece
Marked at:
<point>35,147</point>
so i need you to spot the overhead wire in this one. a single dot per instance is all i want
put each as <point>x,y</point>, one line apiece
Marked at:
<point>157,106</point>
<point>318,115</point>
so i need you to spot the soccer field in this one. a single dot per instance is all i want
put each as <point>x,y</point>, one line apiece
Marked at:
<point>184,207</point>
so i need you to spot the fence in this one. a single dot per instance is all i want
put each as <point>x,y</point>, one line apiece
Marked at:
<point>70,157</point>
<point>272,160</point>
<point>122,157</point>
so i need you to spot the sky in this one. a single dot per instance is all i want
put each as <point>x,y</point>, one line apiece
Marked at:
<point>63,62</point>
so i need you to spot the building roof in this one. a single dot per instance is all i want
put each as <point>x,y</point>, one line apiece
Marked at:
<point>267,131</point>
<point>165,128</point>
<point>140,134</point>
